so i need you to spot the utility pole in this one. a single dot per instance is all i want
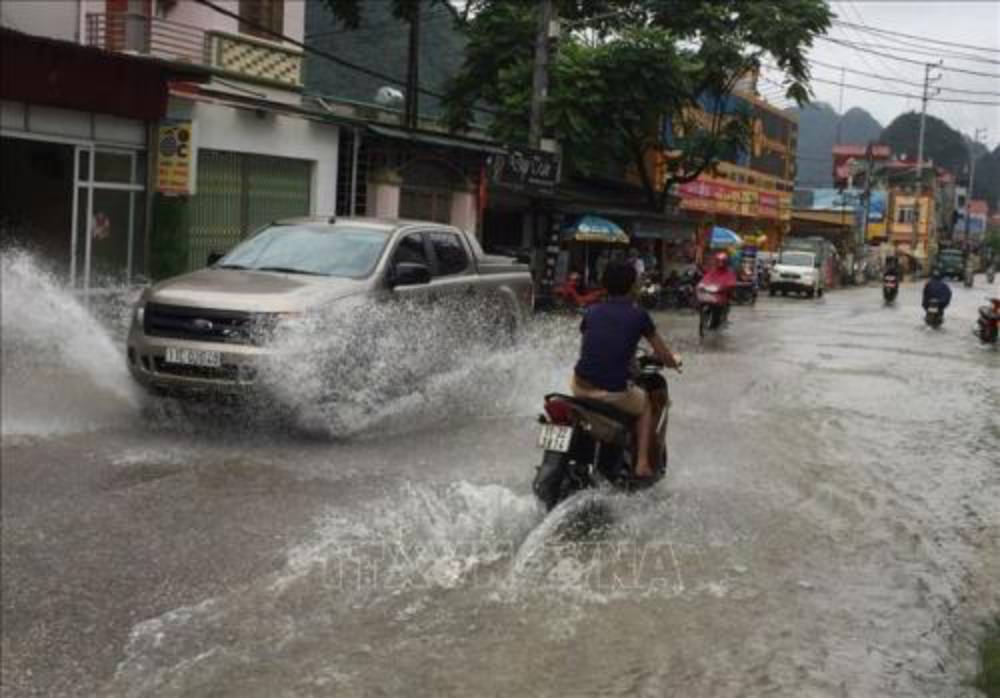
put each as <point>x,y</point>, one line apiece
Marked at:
<point>540,76</point>
<point>972,183</point>
<point>920,154</point>
<point>840,108</point>
<point>413,71</point>
<point>868,195</point>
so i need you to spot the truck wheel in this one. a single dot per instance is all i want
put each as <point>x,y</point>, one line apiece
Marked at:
<point>772,292</point>
<point>810,293</point>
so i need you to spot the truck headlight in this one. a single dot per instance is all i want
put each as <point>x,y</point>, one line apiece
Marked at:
<point>139,314</point>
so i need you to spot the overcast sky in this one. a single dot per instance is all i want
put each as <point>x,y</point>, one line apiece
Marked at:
<point>968,23</point>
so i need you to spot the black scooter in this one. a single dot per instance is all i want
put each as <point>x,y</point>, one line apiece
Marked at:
<point>890,288</point>
<point>934,313</point>
<point>986,325</point>
<point>587,442</point>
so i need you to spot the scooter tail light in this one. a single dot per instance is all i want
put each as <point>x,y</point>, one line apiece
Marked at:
<point>559,411</point>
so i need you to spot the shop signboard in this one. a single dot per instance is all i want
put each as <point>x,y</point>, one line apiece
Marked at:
<point>523,169</point>
<point>175,158</point>
<point>713,197</point>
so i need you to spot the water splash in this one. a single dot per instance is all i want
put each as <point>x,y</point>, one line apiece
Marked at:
<point>363,365</point>
<point>62,369</point>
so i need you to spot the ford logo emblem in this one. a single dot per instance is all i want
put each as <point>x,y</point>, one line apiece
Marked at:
<point>202,325</point>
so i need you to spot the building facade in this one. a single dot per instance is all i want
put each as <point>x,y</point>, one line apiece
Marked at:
<point>750,191</point>
<point>233,148</point>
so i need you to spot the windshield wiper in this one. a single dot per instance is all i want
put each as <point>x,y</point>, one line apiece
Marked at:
<point>289,270</point>
<point>230,266</point>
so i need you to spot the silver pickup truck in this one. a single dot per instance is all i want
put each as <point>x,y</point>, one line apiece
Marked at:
<point>207,330</point>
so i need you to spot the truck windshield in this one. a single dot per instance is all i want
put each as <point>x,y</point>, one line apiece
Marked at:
<point>313,250</point>
<point>796,259</point>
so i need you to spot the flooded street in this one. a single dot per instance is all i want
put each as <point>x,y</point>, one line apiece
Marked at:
<point>830,525</point>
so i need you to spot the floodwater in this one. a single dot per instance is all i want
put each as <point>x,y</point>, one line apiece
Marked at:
<point>830,525</point>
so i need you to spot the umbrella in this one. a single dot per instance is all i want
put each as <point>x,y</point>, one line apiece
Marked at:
<point>724,237</point>
<point>595,229</point>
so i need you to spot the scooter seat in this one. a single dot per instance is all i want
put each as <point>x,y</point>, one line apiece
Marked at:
<point>602,408</point>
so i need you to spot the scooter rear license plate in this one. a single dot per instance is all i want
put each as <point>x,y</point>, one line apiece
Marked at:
<point>555,438</point>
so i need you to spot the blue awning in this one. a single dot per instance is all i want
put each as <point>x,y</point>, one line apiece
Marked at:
<point>724,237</point>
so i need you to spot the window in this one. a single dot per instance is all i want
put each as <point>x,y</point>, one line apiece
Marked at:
<point>262,14</point>
<point>304,249</point>
<point>411,249</point>
<point>905,215</point>
<point>450,253</point>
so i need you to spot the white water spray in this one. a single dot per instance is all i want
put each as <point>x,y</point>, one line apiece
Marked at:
<point>62,371</point>
<point>365,365</point>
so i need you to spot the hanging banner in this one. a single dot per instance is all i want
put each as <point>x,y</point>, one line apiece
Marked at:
<point>175,158</point>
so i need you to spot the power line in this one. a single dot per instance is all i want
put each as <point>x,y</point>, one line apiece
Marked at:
<point>888,67</point>
<point>328,56</point>
<point>852,45</point>
<point>879,30</point>
<point>904,94</point>
<point>379,26</point>
<point>932,52</point>
<point>905,45</point>
<point>986,93</point>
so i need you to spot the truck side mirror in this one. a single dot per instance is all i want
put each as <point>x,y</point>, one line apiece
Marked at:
<point>409,274</point>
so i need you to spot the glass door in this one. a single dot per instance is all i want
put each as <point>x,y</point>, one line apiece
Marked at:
<point>109,217</point>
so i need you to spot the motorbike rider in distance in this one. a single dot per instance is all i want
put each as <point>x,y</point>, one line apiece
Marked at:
<point>892,268</point>
<point>936,289</point>
<point>611,332</point>
<point>721,275</point>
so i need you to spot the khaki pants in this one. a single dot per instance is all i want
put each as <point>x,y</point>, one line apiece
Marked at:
<point>631,400</point>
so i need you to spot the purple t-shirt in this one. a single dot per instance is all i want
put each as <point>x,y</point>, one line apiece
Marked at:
<point>611,333</point>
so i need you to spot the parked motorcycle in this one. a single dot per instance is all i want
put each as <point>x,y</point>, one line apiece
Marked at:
<point>588,443</point>
<point>570,295</point>
<point>986,325</point>
<point>650,294</point>
<point>745,293</point>
<point>679,290</point>
<point>934,314</point>
<point>713,308</point>
<point>890,288</point>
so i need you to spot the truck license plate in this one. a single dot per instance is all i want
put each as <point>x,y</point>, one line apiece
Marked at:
<point>194,357</point>
<point>555,438</point>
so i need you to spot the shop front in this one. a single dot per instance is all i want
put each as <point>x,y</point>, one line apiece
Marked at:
<point>75,125</point>
<point>751,212</point>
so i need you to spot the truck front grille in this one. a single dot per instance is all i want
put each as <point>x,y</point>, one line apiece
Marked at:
<point>202,324</point>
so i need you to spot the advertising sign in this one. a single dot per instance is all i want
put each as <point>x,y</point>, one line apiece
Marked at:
<point>175,158</point>
<point>524,170</point>
<point>713,197</point>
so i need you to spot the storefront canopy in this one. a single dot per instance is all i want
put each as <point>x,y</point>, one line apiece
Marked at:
<point>40,70</point>
<point>724,237</point>
<point>594,229</point>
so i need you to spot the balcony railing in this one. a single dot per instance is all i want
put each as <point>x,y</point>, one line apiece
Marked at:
<point>232,53</point>
<point>150,36</point>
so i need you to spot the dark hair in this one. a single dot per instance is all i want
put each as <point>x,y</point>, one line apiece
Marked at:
<point>619,278</point>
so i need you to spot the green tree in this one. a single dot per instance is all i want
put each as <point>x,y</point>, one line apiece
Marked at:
<point>628,68</point>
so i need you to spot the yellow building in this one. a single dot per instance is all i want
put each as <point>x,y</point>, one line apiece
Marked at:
<point>908,215</point>
<point>751,191</point>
